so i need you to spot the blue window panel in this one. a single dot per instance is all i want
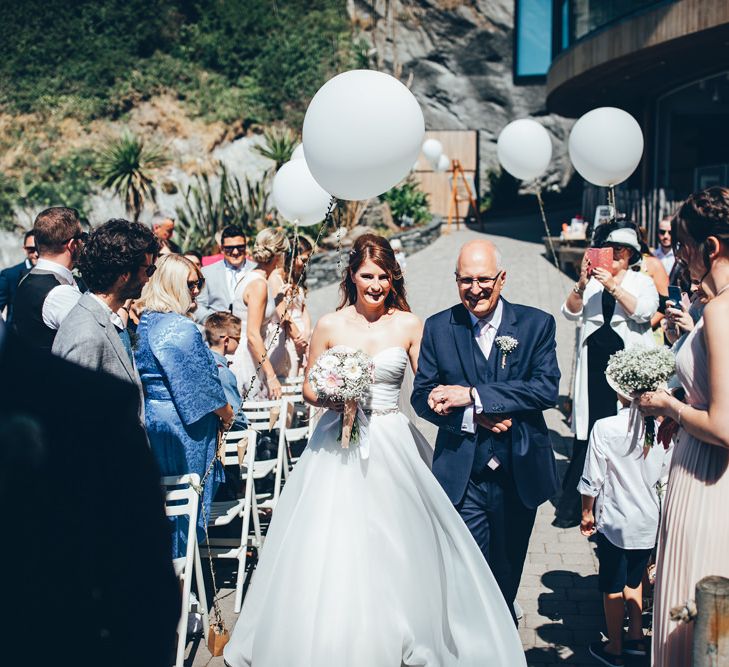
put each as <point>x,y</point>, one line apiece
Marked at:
<point>533,37</point>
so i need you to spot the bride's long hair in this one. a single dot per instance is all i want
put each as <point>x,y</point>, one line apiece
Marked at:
<point>378,250</point>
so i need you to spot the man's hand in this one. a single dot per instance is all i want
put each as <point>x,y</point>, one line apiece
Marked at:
<point>493,423</point>
<point>444,398</point>
<point>587,525</point>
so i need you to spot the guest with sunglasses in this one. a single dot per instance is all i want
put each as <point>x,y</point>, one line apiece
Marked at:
<point>184,402</point>
<point>221,278</point>
<point>46,295</point>
<point>116,263</point>
<point>664,249</point>
<point>11,277</point>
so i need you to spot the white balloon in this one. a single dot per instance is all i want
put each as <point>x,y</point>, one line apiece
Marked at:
<point>444,163</point>
<point>298,153</point>
<point>606,145</point>
<point>524,149</point>
<point>432,149</point>
<point>297,196</point>
<point>362,132</point>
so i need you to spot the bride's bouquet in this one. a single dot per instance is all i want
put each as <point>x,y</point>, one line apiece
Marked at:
<point>638,369</point>
<point>343,375</point>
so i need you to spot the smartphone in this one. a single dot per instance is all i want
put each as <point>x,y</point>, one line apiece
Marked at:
<point>675,296</point>
<point>599,258</point>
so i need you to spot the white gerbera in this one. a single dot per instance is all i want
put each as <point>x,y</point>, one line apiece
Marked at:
<point>328,361</point>
<point>351,368</point>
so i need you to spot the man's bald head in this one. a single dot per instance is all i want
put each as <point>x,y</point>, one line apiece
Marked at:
<point>479,250</point>
<point>480,276</point>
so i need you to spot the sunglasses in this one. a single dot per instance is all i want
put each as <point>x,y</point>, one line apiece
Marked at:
<point>30,249</point>
<point>79,236</point>
<point>230,249</point>
<point>663,232</point>
<point>192,284</point>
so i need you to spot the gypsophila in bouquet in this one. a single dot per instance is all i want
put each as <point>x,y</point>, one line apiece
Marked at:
<point>638,369</point>
<point>344,375</point>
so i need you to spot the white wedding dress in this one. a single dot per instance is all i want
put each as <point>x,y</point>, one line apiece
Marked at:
<point>367,563</point>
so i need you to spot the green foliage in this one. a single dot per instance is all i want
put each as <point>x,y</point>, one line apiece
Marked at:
<point>408,201</point>
<point>125,166</point>
<point>52,181</point>
<point>502,192</point>
<point>8,198</point>
<point>209,208</point>
<point>278,145</point>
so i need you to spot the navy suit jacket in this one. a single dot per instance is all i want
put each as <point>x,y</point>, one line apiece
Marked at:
<point>9,280</point>
<point>527,385</point>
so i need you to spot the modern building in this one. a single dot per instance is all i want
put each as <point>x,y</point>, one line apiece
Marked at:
<point>664,61</point>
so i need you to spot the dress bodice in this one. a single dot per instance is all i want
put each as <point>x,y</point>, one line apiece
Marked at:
<point>692,368</point>
<point>384,393</point>
<point>241,310</point>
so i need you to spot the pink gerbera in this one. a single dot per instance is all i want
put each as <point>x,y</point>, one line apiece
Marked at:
<point>332,381</point>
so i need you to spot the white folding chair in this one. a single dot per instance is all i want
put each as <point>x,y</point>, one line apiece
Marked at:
<point>260,414</point>
<point>240,450</point>
<point>181,499</point>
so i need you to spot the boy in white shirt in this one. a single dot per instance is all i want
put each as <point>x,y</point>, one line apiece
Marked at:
<point>623,479</point>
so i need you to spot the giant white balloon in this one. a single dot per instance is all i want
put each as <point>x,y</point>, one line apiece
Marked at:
<point>362,132</point>
<point>297,196</point>
<point>298,152</point>
<point>524,149</point>
<point>432,149</point>
<point>444,163</point>
<point>606,145</point>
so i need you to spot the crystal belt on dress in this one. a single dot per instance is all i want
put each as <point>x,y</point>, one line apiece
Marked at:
<point>379,413</point>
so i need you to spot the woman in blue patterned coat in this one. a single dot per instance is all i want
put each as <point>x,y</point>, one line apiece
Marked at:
<point>184,401</point>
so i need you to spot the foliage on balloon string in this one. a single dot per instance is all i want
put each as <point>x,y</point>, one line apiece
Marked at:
<point>209,208</point>
<point>278,145</point>
<point>200,489</point>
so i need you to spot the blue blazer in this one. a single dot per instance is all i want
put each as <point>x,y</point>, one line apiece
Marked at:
<point>527,385</point>
<point>9,280</point>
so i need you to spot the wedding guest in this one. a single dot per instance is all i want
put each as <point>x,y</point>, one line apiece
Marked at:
<point>11,277</point>
<point>222,334</point>
<point>73,452</point>
<point>184,401</point>
<point>195,256</point>
<point>163,226</point>
<point>298,324</point>
<point>222,277</point>
<point>615,307</point>
<point>692,543</point>
<point>116,263</point>
<point>256,307</point>
<point>622,481</point>
<point>664,247</point>
<point>46,295</point>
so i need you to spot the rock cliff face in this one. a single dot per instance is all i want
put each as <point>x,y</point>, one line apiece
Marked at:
<point>458,57</point>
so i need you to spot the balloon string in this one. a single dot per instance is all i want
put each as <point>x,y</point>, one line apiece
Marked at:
<point>611,201</point>
<point>546,227</point>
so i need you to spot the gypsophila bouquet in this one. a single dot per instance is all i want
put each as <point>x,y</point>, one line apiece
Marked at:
<point>639,369</point>
<point>343,375</point>
<point>507,344</point>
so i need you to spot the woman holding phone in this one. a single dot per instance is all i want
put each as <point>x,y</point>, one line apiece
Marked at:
<point>615,303</point>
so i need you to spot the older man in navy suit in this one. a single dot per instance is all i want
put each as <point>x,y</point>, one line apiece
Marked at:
<point>11,277</point>
<point>487,370</point>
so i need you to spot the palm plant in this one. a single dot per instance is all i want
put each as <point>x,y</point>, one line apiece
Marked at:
<point>125,166</point>
<point>278,145</point>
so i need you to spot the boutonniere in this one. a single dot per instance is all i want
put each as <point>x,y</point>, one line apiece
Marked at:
<point>507,344</point>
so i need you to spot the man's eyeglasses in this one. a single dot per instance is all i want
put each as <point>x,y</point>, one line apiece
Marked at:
<point>79,236</point>
<point>663,232</point>
<point>30,249</point>
<point>192,284</point>
<point>149,269</point>
<point>230,249</point>
<point>483,281</point>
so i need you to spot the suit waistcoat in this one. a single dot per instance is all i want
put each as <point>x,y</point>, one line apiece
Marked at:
<point>489,444</point>
<point>28,311</point>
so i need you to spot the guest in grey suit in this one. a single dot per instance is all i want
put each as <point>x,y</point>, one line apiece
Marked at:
<point>116,263</point>
<point>222,277</point>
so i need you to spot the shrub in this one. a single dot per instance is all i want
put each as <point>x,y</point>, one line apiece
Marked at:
<point>408,201</point>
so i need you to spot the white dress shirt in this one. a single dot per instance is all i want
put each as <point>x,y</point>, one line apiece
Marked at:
<point>61,298</point>
<point>113,317</point>
<point>667,258</point>
<point>234,274</point>
<point>484,331</point>
<point>624,482</point>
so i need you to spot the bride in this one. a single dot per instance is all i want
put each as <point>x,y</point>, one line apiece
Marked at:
<point>366,562</point>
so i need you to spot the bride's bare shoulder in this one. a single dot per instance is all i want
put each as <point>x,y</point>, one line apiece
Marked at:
<point>409,321</point>
<point>330,321</point>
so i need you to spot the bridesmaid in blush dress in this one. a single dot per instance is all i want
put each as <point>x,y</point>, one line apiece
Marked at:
<point>693,539</point>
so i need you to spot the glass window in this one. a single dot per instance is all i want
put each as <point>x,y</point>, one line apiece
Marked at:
<point>533,38</point>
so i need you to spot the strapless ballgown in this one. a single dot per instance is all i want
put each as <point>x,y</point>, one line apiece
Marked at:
<point>367,563</point>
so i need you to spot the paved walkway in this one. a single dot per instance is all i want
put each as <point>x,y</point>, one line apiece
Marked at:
<point>563,609</point>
